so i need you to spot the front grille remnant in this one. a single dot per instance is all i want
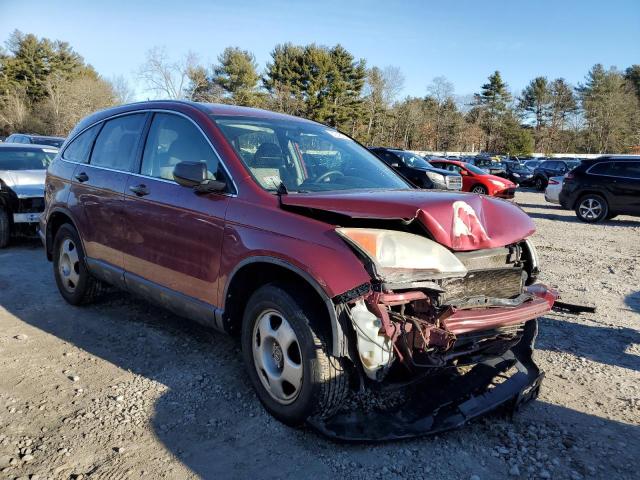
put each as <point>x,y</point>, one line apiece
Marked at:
<point>498,283</point>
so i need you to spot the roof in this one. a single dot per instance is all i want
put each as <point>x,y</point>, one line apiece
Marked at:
<point>26,146</point>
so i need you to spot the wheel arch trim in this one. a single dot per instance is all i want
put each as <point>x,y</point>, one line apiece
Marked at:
<point>338,339</point>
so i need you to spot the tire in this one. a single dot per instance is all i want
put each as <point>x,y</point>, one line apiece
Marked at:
<point>592,208</point>
<point>76,285</point>
<point>5,228</point>
<point>540,183</point>
<point>276,314</point>
<point>479,189</point>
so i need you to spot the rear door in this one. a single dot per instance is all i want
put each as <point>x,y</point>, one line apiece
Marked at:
<point>97,191</point>
<point>627,186</point>
<point>173,236</point>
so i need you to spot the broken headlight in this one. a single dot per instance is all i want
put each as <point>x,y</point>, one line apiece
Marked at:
<point>400,256</point>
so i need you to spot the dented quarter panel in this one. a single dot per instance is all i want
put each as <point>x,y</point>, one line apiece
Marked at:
<point>459,221</point>
<point>265,230</point>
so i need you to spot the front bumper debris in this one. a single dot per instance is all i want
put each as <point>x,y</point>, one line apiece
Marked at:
<point>446,401</point>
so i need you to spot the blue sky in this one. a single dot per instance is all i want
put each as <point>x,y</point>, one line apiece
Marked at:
<point>462,40</point>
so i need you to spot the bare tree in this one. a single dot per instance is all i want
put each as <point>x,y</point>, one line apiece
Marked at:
<point>14,109</point>
<point>166,78</point>
<point>122,89</point>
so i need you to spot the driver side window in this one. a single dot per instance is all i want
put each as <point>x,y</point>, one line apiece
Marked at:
<point>173,139</point>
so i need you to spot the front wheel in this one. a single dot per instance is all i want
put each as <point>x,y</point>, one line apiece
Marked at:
<point>287,358</point>
<point>540,183</point>
<point>75,283</point>
<point>592,208</point>
<point>480,189</point>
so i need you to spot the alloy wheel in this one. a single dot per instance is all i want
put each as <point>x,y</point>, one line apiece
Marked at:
<point>479,190</point>
<point>69,265</point>
<point>277,356</point>
<point>590,208</point>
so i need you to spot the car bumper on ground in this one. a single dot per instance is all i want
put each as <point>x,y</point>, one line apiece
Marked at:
<point>507,381</point>
<point>451,397</point>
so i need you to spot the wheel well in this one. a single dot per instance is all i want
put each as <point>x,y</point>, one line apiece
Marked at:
<point>589,192</point>
<point>254,275</point>
<point>55,221</point>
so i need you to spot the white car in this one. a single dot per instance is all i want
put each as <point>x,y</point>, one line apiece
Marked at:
<point>552,193</point>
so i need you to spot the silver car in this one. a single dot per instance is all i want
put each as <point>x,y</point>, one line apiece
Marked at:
<point>22,173</point>
<point>552,193</point>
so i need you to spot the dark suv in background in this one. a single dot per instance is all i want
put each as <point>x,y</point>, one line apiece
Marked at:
<point>552,168</point>
<point>418,170</point>
<point>602,188</point>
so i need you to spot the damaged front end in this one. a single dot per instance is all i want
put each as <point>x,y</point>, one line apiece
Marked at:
<point>453,330</point>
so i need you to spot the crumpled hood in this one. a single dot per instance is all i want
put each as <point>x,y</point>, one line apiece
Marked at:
<point>25,183</point>
<point>459,221</point>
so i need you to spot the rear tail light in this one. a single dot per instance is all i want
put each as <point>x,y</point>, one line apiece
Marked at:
<point>553,182</point>
<point>569,175</point>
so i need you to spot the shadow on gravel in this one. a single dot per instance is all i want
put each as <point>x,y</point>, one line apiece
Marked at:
<point>208,416</point>
<point>549,206</point>
<point>633,301</point>
<point>601,344</point>
<point>573,219</point>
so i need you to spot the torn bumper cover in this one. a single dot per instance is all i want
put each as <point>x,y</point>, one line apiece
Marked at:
<point>446,401</point>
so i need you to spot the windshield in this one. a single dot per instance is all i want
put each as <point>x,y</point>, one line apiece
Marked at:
<point>474,169</point>
<point>305,157</point>
<point>54,142</point>
<point>412,160</point>
<point>11,159</point>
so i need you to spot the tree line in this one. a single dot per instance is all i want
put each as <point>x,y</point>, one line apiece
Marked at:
<point>46,87</point>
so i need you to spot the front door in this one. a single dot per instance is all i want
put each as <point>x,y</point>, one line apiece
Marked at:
<point>97,192</point>
<point>173,236</point>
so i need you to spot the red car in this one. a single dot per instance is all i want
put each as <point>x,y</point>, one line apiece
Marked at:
<point>476,180</point>
<point>338,277</point>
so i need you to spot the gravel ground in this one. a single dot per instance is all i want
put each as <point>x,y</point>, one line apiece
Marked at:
<point>125,390</point>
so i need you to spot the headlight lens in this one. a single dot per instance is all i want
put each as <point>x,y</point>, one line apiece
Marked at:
<point>436,177</point>
<point>517,175</point>
<point>498,184</point>
<point>401,256</point>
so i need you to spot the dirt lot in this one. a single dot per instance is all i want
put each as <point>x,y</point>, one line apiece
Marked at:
<point>125,390</point>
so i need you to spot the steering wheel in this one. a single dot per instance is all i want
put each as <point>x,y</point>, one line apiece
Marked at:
<point>326,175</point>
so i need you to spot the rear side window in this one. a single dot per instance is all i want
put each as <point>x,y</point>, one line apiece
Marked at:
<point>628,169</point>
<point>604,168</point>
<point>116,144</point>
<point>80,148</point>
<point>173,139</point>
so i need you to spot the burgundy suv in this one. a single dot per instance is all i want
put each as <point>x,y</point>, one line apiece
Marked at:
<point>340,278</point>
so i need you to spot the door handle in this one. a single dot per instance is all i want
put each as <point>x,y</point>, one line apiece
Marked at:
<point>140,190</point>
<point>82,177</point>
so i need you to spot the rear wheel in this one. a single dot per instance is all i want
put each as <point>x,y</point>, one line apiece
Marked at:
<point>5,228</point>
<point>540,183</point>
<point>74,281</point>
<point>287,358</point>
<point>480,189</point>
<point>592,208</point>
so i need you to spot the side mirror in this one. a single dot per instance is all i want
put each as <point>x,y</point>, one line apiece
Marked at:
<point>464,173</point>
<point>194,175</point>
